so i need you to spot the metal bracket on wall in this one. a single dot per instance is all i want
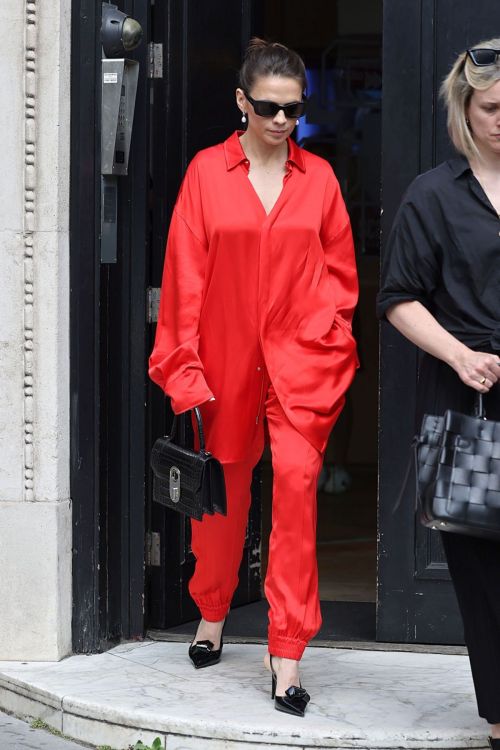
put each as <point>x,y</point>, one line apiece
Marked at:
<point>152,304</point>
<point>109,218</point>
<point>153,549</point>
<point>155,57</point>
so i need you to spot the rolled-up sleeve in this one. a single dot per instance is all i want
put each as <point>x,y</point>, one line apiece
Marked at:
<point>411,266</point>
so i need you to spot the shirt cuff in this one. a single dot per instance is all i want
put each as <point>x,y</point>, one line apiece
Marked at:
<point>387,300</point>
<point>188,390</point>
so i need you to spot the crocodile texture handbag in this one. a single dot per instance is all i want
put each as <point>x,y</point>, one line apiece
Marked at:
<point>458,472</point>
<point>185,480</point>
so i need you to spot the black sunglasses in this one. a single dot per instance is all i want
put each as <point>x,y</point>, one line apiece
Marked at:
<point>482,56</point>
<point>264,108</point>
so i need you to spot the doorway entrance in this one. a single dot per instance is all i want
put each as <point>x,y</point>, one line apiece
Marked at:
<point>342,48</point>
<point>116,413</point>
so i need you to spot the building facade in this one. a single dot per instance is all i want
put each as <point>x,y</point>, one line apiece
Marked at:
<point>35,505</point>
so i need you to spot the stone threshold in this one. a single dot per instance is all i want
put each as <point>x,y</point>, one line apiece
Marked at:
<point>360,699</point>
<point>414,648</point>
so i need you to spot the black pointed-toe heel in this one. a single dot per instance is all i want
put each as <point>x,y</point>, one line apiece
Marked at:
<point>494,743</point>
<point>294,701</point>
<point>203,654</point>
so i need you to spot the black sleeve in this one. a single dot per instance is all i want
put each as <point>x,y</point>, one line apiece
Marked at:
<point>411,265</point>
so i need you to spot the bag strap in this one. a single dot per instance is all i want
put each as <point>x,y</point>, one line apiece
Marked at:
<point>201,432</point>
<point>412,463</point>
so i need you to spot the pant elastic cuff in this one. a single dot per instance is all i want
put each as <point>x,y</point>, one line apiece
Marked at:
<point>212,613</point>
<point>286,648</point>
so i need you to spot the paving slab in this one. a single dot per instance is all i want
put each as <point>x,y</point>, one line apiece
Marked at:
<point>19,735</point>
<point>359,699</point>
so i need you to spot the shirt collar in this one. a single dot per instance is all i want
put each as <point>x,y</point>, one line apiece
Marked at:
<point>235,154</point>
<point>459,165</point>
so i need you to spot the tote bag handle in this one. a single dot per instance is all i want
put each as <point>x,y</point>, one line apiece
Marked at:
<point>479,410</point>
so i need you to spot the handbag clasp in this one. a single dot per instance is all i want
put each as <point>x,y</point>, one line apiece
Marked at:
<point>175,484</point>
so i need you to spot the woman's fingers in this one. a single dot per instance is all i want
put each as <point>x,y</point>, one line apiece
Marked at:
<point>488,371</point>
<point>480,371</point>
<point>493,367</point>
<point>480,387</point>
<point>475,383</point>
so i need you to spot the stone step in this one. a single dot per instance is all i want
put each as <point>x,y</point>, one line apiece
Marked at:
<point>359,699</point>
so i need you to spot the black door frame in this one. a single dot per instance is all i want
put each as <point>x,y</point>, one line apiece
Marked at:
<point>410,590</point>
<point>107,358</point>
<point>416,601</point>
<point>84,324</point>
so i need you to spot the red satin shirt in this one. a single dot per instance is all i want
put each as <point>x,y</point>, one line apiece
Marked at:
<point>244,292</point>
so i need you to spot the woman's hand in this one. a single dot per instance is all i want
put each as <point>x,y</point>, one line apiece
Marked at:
<point>477,369</point>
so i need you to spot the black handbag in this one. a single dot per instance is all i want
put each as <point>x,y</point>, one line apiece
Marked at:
<point>187,481</point>
<point>458,472</point>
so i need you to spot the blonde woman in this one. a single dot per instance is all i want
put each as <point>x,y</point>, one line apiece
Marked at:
<point>441,289</point>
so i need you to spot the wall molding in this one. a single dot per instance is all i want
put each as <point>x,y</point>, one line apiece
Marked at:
<point>30,71</point>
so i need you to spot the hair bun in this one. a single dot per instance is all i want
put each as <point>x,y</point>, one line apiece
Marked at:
<point>263,58</point>
<point>256,43</point>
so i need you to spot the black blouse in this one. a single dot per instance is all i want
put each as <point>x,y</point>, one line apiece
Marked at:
<point>444,251</point>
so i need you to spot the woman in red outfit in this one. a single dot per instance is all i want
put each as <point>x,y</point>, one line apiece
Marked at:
<point>258,293</point>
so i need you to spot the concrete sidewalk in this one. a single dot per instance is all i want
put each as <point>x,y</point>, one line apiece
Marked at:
<point>359,699</point>
<point>19,735</point>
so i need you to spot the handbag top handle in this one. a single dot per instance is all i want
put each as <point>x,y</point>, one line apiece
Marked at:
<point>201,433</point>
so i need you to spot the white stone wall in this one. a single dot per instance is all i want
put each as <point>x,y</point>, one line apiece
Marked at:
<point>35,507</point>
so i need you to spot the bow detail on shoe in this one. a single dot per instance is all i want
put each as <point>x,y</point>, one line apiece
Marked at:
<point>204,645</point>
<point>298,693</point>
<point>203,653</point>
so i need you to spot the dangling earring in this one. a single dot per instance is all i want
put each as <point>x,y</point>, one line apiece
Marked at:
<point>243,118</point>
<point>297,121</point>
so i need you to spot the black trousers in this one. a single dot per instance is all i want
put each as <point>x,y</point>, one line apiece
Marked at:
<point>475,570</point>
<point>474,563</point>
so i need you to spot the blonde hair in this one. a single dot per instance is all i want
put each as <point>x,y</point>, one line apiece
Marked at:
<point>457,89</point>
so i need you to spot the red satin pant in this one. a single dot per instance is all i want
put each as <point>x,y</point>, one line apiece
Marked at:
<point>291,585</point>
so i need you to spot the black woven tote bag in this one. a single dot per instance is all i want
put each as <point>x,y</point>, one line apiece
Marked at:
<point>458,473</point>
<point>187,481</point>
